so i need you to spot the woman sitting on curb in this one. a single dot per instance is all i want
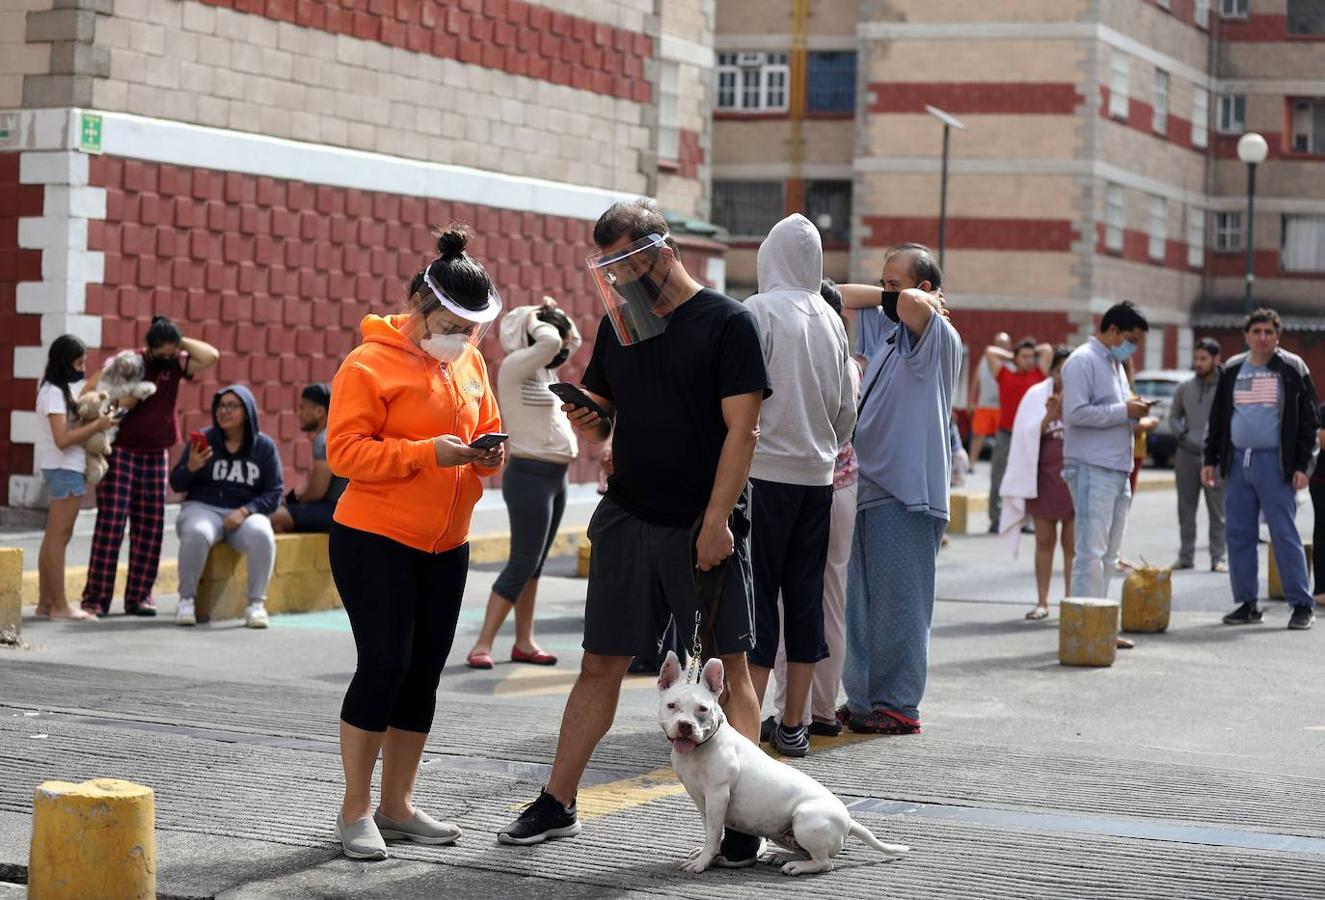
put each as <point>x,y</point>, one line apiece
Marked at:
<point>231,483</point>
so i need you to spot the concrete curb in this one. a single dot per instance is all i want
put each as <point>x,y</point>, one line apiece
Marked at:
<point>484,549</point>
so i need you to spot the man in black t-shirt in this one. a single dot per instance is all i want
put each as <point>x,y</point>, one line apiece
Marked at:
<point>679,369</point>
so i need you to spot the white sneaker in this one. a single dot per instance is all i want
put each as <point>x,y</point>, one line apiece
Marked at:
<point>184,614</point>
<point>256,617</point>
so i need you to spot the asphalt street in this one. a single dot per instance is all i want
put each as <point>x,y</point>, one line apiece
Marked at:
<point>1191,768</point>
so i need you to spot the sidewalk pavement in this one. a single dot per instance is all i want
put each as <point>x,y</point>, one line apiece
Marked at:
<point>1191,768</point>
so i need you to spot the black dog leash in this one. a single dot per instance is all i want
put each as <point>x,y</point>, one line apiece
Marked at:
<point>708,597</point>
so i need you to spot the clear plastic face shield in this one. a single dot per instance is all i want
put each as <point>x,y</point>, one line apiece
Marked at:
<point>631,282</point>
<point>445,328</point>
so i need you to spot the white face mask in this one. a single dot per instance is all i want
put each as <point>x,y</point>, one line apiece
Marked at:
<point>445,348</point>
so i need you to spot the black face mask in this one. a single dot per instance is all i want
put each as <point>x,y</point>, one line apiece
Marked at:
<point>562,355</point>
<point>889,304</point>
<point>643,291</point>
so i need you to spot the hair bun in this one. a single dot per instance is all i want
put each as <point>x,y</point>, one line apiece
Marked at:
<point>451,243</point>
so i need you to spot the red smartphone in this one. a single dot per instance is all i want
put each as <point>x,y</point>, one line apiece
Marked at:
<point>198,440</point>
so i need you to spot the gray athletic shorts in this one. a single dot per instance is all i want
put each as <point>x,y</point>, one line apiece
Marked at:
<point>640,577</point>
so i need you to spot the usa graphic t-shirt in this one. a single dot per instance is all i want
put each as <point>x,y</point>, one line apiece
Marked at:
<point>1256,408</point>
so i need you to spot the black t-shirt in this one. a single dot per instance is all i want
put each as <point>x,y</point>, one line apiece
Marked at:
<point>1318,476</point>
<point>668,392</point>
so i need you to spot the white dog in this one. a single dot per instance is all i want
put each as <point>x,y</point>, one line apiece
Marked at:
<point>123,376</point>
<point>736,784</point>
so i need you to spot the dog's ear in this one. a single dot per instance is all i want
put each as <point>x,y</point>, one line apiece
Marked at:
<point>670,673</point>
<point>712,676</point>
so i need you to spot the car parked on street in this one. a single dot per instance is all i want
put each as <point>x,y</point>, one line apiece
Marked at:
<point>1160,385</point>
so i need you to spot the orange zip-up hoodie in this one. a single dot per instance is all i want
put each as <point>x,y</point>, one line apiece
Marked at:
<point>388,401</point>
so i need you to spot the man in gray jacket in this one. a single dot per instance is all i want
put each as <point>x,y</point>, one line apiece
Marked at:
<point>801,426</point>
<point>1188,416</point>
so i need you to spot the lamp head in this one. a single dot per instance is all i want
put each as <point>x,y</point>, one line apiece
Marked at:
<point>1252,148</point>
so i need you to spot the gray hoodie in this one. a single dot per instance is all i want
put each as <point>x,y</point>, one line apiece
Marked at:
<point>813,408</point>
<point>1189,413</point>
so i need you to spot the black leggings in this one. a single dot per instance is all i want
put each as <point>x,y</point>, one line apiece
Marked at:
<point>403,606</point>
<point>1318,534</point>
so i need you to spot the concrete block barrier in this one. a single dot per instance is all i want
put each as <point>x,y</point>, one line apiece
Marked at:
<point>1087,631</point>
<point>95,839</point>
<point>11,591</point>
<point>1275,588</point>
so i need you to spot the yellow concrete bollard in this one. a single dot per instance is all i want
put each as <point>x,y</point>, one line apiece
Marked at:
<point>11,591</point>
<point>1147,599</point>
<point>1275,586</point>
<point>582,563</point>
<point>92,840</point>
<point>1087,631</point>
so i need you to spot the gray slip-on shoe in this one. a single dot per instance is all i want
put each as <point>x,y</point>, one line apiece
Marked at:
<point>360,838</point>
<point>422,829</point>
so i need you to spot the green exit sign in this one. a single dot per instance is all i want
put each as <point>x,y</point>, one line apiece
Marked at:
<point>89,133</point>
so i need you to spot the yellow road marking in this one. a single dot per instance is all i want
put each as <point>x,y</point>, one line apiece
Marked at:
<point>527,681</point>
<point>1315,728</point>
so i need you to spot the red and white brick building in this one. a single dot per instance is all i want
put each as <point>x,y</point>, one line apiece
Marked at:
<point>1098,162</point>
<point>266,172</point>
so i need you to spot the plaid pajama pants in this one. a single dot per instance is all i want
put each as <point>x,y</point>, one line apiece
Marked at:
<point>134,490</point>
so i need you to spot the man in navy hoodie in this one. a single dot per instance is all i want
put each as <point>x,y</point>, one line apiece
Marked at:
<point>230,485</point>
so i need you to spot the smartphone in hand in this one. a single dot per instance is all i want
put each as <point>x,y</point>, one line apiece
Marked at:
<point>569,393</point>
<point>198,440</point>
<point>489,441</point>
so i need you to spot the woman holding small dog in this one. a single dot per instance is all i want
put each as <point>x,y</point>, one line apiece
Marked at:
<point>406,408</point>
<point>134,489</point>
<point>62,462</point>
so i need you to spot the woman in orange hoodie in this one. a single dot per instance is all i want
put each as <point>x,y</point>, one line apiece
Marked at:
<point>406,405</point>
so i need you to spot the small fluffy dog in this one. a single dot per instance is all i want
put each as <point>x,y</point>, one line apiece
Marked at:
<point>122,376</point>
<point>736,784</point>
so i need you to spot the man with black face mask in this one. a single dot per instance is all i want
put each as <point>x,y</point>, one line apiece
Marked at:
<point>679,371</point>
<point>902,446</point>
<point>542,445</point>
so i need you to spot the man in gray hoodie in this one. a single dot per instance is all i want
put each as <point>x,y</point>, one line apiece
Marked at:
<point>801,426</point>
<point>1188,415</point>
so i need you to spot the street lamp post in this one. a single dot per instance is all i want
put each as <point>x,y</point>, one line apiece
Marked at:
<point>1252,150</point>
<point>949,122</point>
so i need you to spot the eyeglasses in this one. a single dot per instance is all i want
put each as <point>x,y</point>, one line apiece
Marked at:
<point>229,407</point>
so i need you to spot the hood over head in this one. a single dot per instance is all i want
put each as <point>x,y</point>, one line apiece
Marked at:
<point>791,257</point>
<point>513,331</point>
<point>251,426</point>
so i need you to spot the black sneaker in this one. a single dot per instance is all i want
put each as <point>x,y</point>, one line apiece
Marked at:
<point>1303,618</point>
<point>738,850</point>
<point>792,741</point>
<point>544,818</point>
<point>1246,614</point>
<point>766,729</point>
<point>825,729</point>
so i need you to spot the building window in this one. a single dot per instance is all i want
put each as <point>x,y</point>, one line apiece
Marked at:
<point>1118,85</point>
<point>748,209</point>
<point>1304,244</point>
<point>669,115</point>
<point>1232,114</point>
<point>832,81</point>
<point>1201,13</point>
<point>1233,9</point>
<point>1195,237</point>
<point>1159,225</point>
<point>828,206</point>
<point>1159,118</point>
<point>1309,126</point>
<point>1306,17</point>
<point>1200,117</point>
<point>1115,218</point>
<point>753,82</point>
<point>1228,232</point>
